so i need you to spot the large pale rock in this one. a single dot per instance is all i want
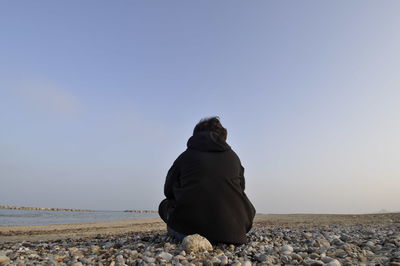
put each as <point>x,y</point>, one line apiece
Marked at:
<point>4,260</point>
<point>194,243</point>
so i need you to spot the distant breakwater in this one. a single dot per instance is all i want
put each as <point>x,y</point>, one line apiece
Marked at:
<point>43,209</point>
<point>141,211</point>
<point>64,209</point>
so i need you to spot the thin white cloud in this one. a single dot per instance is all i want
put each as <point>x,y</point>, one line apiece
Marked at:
<point>47,96</point>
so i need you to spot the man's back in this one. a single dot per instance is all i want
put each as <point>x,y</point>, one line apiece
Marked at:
<point>206,188</point>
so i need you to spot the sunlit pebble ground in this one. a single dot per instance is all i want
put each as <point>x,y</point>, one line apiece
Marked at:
<point>323,245</point>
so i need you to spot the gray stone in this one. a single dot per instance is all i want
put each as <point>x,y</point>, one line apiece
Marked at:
<point>303,254</point>
<point>345,238</point>
<point>296,257</point>
<point>180,257</point>
<point>311,262</point>
<point>333,263</point>
<point>326,259</point>
<point>340,253</point>
<point>370,244</point>
<point>286,249</point>
<point>223,259</point>
<point>246,263</point>
<point>120,259</point>
<point>215,261</point>
<point>149,259</point>
<point>53,262</point>
<point>165,256</point>
<point>107,245</point>
<point>262,258</point>
<point>314,256</point>
<point>324,243</point>
<point>337,242</point>
<point>285,259</point>
<point>362,258</point>
<point>307,235</point>
<point>369,253</point>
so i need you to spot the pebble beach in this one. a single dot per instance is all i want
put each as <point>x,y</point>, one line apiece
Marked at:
<point>302,239</point>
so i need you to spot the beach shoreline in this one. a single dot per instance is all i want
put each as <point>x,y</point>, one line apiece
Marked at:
<point>15,233</point>
<point>306,239</point>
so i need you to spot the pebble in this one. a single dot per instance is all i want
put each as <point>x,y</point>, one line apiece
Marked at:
<point>261,258</point>
<point>120,260</point>
<point>326,259</point>
<point>223,259</point>
<point>215,261</point>
<point>324,243</point>
<point>314,255</point>
<point>307,235</point>
<point>333,263</point>
<point>95,248</point>
<point>296,257</point>
<point>4,259</point>
<point>286,249</point>
<point>165,256</point>
<point>340,253</point>
<point>149,259</point>
<point>285,259</point>
<point>370,244</point>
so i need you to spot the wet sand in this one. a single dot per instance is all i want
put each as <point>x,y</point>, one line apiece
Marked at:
<point>62,231</point>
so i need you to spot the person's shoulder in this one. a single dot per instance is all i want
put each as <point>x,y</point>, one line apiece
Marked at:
<point>234,154</point>
<point>180,157</point>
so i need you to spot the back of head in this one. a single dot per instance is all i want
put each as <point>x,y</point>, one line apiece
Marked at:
<point>211,124</point>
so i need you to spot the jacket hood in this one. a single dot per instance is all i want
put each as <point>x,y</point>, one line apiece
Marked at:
<point>207,141</point>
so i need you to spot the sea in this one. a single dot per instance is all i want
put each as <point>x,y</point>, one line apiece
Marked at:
<point>30,217</point>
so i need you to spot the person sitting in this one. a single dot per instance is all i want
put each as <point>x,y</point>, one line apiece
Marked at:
<point>204,189</point>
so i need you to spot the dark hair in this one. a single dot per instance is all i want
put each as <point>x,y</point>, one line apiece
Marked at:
<point>211,124</point>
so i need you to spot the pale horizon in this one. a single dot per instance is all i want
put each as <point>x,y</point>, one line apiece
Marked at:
<point>97,99</point>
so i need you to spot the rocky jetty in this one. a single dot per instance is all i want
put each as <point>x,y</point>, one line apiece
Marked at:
<point>42,209</point>
<point>141,211</point>
<point>278,245</point>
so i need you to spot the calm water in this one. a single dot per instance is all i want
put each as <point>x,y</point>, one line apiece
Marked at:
<point>25,217</point>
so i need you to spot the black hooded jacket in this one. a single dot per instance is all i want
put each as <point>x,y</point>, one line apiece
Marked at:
<point>206,188</point>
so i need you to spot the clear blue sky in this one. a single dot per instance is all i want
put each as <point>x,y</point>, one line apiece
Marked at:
<point>98,98</point>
